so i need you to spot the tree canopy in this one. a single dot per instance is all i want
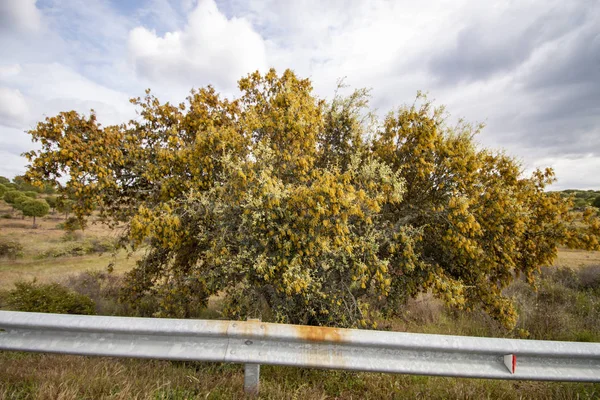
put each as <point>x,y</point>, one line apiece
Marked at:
<point>34,208</point>
<point>306,211</point>
<point>10,196</point>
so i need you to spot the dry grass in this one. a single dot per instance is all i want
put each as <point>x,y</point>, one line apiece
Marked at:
<point>53,269</point>
<point>47,237</point>
<point>577,258</point>
<point>38,376</point>
<point>45,376</point>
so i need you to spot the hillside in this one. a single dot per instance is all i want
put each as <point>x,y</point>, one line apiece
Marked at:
<point>582,198</point>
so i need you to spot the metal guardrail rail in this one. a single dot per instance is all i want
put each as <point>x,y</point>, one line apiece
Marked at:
<point>253,343</point>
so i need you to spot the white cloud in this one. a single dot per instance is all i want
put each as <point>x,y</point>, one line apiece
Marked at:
<point>13,107</point>
<point>573,173</point>
<point>20,15</point>
<point>7,71</point>
<point>11,164</point>
<point>188,5</point>
<point>49,89</point>
<point>537,89</point>
<point>52,88</point>
<point>209,49</point>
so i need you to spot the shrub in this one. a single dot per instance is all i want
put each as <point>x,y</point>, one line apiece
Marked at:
<point>279,198</point>
<point>70,236</point>
<point>31,194</point>
<point>103,288</point>
<point>562,307</point>
<point>589,277</point>
<point>49,298</point>
<point>75,247</point>
<point>101,245</point>
<point>10,249</point>
<point>565,276</point>
<point>3,189</point>
<point>106,288</point>
<point>70,225</point>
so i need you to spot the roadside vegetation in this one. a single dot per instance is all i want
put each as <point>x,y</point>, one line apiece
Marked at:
<point>282,206</point>
<point>566,306</point>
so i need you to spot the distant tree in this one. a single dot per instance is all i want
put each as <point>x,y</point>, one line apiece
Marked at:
<point>52,202</point>
<point>64,206</point>
<point>18,180</point>
<point>35,208</point>
<point>18,204</point>
<point>596,202</point>
<point>4,180</point>
<point>49,189</point>
<point>11,196</point>
<point>24,186</point>
<point>579,203</point>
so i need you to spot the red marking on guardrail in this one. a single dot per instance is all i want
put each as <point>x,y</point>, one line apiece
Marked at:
<point>510,360</point>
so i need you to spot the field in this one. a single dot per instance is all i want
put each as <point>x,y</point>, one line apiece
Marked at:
<point>566,306</point>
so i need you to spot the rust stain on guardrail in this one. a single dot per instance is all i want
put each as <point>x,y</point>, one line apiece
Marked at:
<point>319,334</point>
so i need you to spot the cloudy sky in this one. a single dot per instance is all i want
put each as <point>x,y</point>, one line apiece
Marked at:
<point>530,69</point>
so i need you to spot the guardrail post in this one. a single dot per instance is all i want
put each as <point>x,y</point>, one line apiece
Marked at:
<point>251,379</point>
<point>252,374</point>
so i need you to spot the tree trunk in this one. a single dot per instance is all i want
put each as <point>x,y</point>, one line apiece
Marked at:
<point>34,221</point>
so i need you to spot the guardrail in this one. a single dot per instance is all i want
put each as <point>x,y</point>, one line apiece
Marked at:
<point>253,343</point>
